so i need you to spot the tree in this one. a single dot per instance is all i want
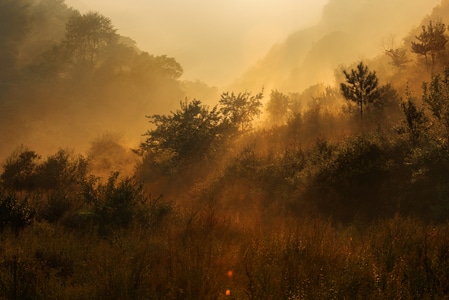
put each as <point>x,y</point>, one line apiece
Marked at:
<point>431,40</point>
<point>436,96</point>
<point>361,87</point>
<point>14,25</point>
<point>415,120</point>
<point>192,132</point>
<point>61,171</point>
<point>398,55</point>
<point>278,107</point>
<point>241,109</point>
<point>117,203</point>
<point>19,170</point>
<point>14,213</point>
<point>169,66</point>
<point>87,36</point>
<point>144,65</point>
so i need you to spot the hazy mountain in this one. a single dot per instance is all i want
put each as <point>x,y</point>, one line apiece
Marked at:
<point>349,30</point>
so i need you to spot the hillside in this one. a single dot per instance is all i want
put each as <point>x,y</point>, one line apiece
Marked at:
<point>349,30</point>
<point>57,90</point>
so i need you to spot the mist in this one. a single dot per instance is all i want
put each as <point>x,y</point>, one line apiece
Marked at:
<point>308,43</point>
<point>59,108</point>
<point>348,30</point>
<point>214,41</point>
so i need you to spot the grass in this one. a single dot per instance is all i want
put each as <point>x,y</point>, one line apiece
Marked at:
<point>398,258</point>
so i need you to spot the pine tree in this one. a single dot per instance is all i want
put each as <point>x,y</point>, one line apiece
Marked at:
<point>361,87</point>
<point>432,40</point>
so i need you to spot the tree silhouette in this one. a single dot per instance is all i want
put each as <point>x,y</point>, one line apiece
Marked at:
<point>14,25</point>
<point>19,170</point>
<point>190,133</point>
<point>241,109</point>
<point>415,120</point>
<point>431,40</point>
<point>436,96</point>
<point>87,36</point>
<point>398,57</point>
<point>278,107</point>
<point>361,87</point>
<point>397,54</point>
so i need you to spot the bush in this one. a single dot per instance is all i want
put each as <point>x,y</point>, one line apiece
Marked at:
<point>119,203</point>
<point>354,182</point>
<point>19,170</point>
<point>14,214</point>
<point>61,171</point>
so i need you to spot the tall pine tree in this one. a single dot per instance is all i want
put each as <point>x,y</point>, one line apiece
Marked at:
<point>361,87</point>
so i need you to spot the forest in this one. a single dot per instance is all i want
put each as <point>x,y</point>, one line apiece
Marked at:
<point>121,180</point>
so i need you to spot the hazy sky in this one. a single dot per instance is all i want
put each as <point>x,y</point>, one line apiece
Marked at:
<point>215,41</point>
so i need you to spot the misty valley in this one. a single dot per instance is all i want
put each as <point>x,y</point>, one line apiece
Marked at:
<point>322,172</point>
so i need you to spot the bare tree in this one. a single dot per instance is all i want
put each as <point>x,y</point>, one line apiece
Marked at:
<point>397,54</point>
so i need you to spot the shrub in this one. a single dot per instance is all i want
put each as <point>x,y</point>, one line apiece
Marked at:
<point>119,203</point>
<point>352,182</point>
<point>19,170</point>
<point>61,171</point>
<point>14,214</point>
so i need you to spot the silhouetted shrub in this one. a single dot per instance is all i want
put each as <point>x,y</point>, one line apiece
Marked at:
<point>14,214</point>
<point>19,170</point>
<point>62,170</point>
<point>59,205</point>
<point>351,183</point>
<point>427,193</point>
<point>119,203</point>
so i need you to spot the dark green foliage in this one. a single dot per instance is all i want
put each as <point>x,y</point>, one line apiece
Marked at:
<point>361,87</point>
